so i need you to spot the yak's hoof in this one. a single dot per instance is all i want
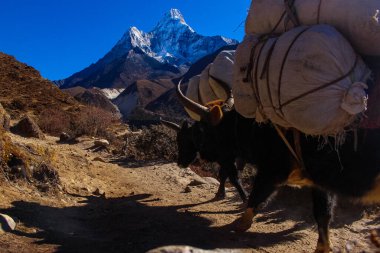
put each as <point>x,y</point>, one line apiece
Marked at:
<point>243,223</point>
<point>323,248</point>
<point>220,195</point>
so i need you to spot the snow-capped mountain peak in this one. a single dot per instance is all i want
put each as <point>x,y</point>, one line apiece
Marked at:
<point>172,20</point>
<point>172,46</point>
<point>175,14</point>
<point>139,39</point>
<point>171,41</point>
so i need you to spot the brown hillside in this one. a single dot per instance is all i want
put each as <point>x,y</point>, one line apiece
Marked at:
<point>24,90</point>
<point>149,90</point>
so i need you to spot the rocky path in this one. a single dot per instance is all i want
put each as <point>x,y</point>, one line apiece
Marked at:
<point>107,205</point>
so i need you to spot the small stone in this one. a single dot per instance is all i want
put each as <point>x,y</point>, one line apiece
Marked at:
<point>7,224</point>
<point>99,192</point>
<point>197,182</point>
<point>187,189</point>
<point>64,137</point>
<point>101,143</point>
<point>349,247</point>
<point>99,159</point>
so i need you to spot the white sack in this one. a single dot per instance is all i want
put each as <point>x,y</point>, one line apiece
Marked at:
<point>319,55</point>
<point>206,93</point>
<point>357,20</point>
<point>203,89</point>
<point>193,93</point>
<point>222,71</point>
<point>245,101</point>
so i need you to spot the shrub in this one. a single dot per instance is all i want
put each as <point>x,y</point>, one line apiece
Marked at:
<point>54,121</point>
<point>92,121</point>
<point>88,120</point>
<point>156,142</point>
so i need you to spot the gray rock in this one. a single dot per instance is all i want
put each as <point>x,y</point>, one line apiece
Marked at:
<point>26,127</point>
<point>101,143</point>
<point>64,137</point>
<point>7,224</point>
<point>99,159</point>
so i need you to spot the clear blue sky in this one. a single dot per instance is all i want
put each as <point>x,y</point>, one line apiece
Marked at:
<point>61,37</point>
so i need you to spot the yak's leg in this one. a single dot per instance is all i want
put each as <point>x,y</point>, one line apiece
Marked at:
<point>233,176</point>
<point>263,187</point>
<point>223,175</point>
<point>228,170</point>
<point>323,205</point>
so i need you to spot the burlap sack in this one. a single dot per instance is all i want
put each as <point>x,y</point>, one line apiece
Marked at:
<point>357,20</point>
<point>214,83</point>
<point>244,95</point>
<point>206,93</point>
<point>309,78</point>
<point>193,93</point>
<point>221,71</point>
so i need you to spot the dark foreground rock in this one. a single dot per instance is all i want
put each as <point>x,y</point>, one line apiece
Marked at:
<point>28,128</point>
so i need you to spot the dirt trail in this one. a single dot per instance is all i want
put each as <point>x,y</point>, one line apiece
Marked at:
<point>144,207</point>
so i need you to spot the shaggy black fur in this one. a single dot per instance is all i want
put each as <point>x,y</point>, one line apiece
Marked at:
<point>349,169</point>
<point>215,144</point>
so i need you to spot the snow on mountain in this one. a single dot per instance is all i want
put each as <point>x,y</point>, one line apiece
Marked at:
<point>165,52</point>
<point>112,93</point>
<point>172,41</point>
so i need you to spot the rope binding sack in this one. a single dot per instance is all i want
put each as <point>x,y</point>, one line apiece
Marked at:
<point>309,78</point>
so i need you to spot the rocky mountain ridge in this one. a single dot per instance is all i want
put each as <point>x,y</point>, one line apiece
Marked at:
<point>165,52</point>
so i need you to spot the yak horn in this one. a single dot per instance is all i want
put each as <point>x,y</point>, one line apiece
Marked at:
<point>171,125</point>
<point>203,111</point>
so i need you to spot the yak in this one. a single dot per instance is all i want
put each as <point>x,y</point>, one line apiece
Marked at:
<point>350,169</point>
<point>330,166</point>
<point>211,138</point>
<point>213,144</point>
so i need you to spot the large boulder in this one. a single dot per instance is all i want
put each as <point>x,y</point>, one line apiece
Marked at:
<point>185,249</point>
<point>5,119</point>
<point>28,128</point>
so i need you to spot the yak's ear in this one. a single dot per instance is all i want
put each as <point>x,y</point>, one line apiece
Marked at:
<point>185,125</point>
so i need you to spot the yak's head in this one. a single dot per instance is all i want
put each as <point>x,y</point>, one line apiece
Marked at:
<point>189,141</point>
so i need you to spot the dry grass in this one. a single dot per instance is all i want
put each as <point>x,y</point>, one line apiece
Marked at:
<point>23,90</point>
<point>29,164</point>
<point>90,121</point>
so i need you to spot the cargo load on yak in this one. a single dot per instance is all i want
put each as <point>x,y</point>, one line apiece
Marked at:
<point>357,20</point>
<point>214,86</point>
<point>308,78</point>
